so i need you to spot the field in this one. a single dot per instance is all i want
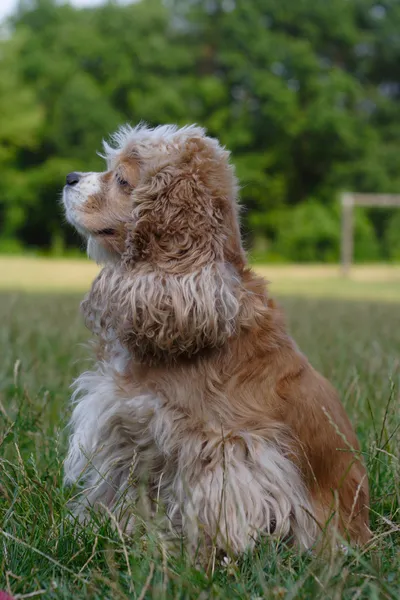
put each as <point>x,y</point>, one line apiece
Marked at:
<point>351,332</point>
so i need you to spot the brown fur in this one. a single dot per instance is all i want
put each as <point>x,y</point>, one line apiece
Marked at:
<point>202,333</point>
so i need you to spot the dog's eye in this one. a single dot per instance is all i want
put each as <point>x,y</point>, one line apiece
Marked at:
<point>122,182</point>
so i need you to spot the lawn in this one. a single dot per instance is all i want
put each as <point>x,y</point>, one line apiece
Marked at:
<point>354,340</point>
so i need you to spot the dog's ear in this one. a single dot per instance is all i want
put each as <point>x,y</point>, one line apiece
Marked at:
<point>179,218</point>
<point>176,291</point>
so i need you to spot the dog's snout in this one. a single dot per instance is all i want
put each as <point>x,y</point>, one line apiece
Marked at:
<point>72,178</point>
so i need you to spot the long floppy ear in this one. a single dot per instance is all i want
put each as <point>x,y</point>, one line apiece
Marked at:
<point>176,291</point>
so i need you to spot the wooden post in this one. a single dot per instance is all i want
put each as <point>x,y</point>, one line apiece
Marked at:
<point>349,201</point>
<point>347,233</point>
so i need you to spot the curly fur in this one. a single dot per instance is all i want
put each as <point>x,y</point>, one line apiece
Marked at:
<point>236,486</point>
<point>198,393</point>
<point>160,316</point>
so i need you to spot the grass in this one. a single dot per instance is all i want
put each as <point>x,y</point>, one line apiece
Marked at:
<point>43,553</point>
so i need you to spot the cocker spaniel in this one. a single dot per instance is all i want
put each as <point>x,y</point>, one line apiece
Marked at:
<point>198,391</point>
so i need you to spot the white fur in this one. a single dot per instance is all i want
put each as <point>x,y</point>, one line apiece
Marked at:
<point>76,195</point>
<point>227,488</point>
<point>157,147</point>
<point>98,253</point>
<point>153,144</point>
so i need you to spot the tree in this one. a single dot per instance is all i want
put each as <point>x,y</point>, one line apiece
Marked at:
<point>300,112</point>
<point>21,119</point>
<point>304,93</point>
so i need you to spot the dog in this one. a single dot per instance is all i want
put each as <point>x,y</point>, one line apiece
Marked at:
<point>198,391</point>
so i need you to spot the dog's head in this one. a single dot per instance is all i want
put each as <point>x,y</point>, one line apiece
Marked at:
<point>163,218</point>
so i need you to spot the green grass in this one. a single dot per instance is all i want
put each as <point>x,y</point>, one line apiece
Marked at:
<point>43,552</point>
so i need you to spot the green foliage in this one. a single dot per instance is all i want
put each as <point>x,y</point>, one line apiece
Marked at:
<point>365,242</point>
<point>309,232</point>
<point>392,237</point>
<point>305,94</point>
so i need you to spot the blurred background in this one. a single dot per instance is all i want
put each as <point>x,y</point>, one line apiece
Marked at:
<point>305,93</point>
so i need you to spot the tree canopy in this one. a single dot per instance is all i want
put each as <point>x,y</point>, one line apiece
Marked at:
<point>305,94</point>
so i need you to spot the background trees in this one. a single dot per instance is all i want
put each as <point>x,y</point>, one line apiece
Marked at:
<point>304,93</point>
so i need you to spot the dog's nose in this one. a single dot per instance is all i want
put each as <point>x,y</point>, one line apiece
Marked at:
<point>72,178</point>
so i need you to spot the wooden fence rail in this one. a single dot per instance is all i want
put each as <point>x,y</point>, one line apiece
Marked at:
<point>349,201</point>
